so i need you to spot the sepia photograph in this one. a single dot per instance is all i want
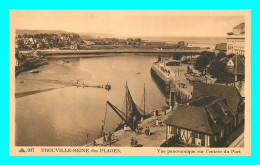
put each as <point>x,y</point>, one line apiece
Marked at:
<point>130,82</point>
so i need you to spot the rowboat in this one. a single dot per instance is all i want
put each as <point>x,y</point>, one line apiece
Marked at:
<point>34,71</point>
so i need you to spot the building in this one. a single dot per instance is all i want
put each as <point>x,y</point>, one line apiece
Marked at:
<point>222,47</point>
<point>239,68</point>
<point>236,67</point>
<point>181,45</point>
<point>74,45</point>
<point>234,99</point>
<point>66,39</point>
<point>204,121</point>
<point>189,59</point>
<point>236,40</point>
<point>208,118</point>
<point>88,43</point>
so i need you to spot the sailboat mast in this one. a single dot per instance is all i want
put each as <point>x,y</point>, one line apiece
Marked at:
<point>103,123</point>
<point>144,99</point>
<point>126,101</point>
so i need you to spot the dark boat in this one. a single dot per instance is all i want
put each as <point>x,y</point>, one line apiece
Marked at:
<point>108,87</point>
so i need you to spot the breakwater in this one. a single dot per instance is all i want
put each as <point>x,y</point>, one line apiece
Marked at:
<point>162,81</point>
<point>172,79</point>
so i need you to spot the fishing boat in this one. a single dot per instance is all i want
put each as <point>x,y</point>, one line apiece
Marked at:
<point>132,114</point>
<point>34,71</point>
<point>108,87</point>
<point>130,117</point>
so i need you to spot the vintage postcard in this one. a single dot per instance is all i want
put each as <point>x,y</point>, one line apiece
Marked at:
<point>130,82</point>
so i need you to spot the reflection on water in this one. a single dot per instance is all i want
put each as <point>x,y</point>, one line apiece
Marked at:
<point>65,116</point>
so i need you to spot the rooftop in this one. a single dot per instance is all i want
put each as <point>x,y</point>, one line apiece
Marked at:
<point>207,119</point>
<point>230,93</point>
<point>221,47</point>
<point>240,26</point>
<point>202,101</point>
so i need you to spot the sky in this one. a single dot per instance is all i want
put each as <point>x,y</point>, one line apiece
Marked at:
<point>120,23</point>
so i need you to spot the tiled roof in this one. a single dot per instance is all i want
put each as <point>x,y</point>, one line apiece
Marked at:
<point>230,93</point>
<point>200,117</point>
<point>240,26</point>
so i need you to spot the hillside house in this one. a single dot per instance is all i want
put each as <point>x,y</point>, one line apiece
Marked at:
<point>74,45</point>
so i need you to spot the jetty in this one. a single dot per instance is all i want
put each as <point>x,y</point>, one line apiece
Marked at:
<point>173,79</point>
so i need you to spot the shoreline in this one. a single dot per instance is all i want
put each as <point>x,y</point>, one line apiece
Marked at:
<point>101,55</point>
<point>51,52</point>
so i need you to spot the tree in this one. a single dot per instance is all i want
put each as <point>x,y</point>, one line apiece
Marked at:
<point>201,63</point>
<point>177,56</point>
<point>230,55</point>
<point>209,55</point>
<point>130,41</point>
<point>220,55</point>
<point>138,40</point>
<point>203,60</point>
<point>218,69</point>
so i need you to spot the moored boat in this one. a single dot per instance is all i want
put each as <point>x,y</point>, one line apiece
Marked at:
<point>34,71</point>
<point>133,113</point>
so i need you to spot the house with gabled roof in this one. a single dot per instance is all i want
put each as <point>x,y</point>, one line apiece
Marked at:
<point>209,117</point>
<point>234,99</point>
<point>203,121</point>
<point>235,66</point>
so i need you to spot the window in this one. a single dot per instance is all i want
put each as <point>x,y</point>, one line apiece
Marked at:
<point>170,129</point>
<point>175,130</point>
<point>200,136</point>
<point>179,131</point>
<point>197,135</point>
<point>221,133</point>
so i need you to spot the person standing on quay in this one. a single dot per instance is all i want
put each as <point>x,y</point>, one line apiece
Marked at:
<point>109,138</point>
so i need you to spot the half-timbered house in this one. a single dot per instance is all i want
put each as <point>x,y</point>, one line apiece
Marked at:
<point>203,121</point>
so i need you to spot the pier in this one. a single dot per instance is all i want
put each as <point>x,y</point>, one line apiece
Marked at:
<point>173,79</point>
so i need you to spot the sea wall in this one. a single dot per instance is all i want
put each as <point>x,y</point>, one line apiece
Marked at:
<point>161,80</point>
<point>167,82</point>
